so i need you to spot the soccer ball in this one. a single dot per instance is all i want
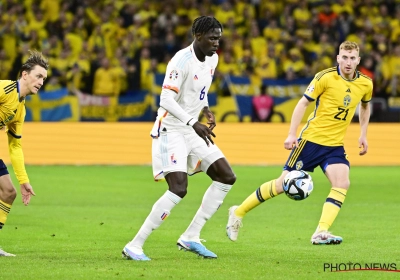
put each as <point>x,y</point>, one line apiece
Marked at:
<point>297,185</point>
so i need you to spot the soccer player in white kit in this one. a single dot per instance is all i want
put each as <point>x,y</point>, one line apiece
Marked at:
<point>182,145</point>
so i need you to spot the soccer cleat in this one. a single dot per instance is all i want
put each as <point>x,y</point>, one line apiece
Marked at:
<point>234,224</point>
<point>129,255</point>
<point>325,238</point>
<point>5,254</point>
<point>196,247</point>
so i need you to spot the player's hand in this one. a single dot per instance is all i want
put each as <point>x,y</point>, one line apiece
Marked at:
<point>363,145</point>
<point>26,192</point>
<point>210,118</point>
<point>204,132</point>
<point>291,142</point>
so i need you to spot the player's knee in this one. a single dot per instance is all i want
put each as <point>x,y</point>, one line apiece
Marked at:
<point>342,184</point>
<point>345,184</point>
<point>231,179</point>
<point>228,178</point>
<point>179,190</point>
<point>9,195</point>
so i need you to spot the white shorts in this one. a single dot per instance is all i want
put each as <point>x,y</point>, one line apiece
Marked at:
<point>188,153</point>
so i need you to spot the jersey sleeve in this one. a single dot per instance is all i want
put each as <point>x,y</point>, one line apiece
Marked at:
<point>171,90</point>
<point>14,131</point>
<point>368,95</point>
<point>315,88</point>
<point>174,77</point>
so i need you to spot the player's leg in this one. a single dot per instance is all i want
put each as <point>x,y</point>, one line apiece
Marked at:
<point>173,156</point>
<point>338,175</point>
<point>7,197</point>
<point>266,191</point>
<point>222,180</point>
<point>303,157</point>
<point>218,169</point>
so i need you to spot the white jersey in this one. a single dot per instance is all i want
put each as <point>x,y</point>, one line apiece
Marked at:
<point>187,81</point>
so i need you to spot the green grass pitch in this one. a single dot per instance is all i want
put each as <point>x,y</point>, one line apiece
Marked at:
<point>77,225</point>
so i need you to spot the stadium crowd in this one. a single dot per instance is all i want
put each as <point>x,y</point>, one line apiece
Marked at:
<point>111,47</point>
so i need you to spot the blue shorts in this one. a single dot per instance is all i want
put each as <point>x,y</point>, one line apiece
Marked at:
<point>309,155</point>
<point>3,168</point>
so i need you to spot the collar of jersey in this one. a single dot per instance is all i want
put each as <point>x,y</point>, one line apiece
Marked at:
<point>195,57</point>
<point>356,76</point>
<point>19,95</point>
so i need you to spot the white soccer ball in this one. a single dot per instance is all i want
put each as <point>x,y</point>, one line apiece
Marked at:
<point>297,185</point>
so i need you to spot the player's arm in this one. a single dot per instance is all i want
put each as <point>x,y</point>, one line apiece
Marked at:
<point>364,115</point>
<point>297,116</point>
<point>171,90</point>
<point>168,102</point>
<point>17,160</point>
<point>313,91</point>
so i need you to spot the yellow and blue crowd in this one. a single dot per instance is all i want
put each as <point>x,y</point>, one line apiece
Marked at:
<point>111,47</point>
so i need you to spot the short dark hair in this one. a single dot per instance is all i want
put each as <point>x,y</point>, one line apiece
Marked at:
<point>204,24</point>
<point>35,58</point>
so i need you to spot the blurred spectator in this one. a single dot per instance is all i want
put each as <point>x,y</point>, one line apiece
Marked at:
<point>342,6</point>
<point>145,69</point>
<point>367,66</point>
<point>272,31</point>
<point>302,14</point>
<point>295,63</point>
<point>106,81</point>
<point>267,67</point>
<point>263,106</point>
<point>168,19</point>
<point>53,83</point>
<point>5,65</point>
<point>227,65</point>
<point>326,16</point>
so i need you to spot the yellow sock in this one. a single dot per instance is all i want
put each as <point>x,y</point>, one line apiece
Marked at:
<point>266,191</point>
<point>331,208</point>
<point>4,210</point>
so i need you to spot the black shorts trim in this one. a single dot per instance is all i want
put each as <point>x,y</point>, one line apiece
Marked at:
<point>3,168</point>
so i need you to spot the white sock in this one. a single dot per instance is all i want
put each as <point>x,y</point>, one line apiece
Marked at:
<point>160,211</point>
<point>212,200</point>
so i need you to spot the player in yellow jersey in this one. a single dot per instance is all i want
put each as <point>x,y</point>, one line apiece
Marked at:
<point>336,92</point>
<point>12,114</point>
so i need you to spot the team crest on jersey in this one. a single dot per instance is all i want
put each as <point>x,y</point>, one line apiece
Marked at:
<point>196,78</point>
<point>173,75</point>
<point>310,88</point>
<point>346,100</point>
<point>299,165</point>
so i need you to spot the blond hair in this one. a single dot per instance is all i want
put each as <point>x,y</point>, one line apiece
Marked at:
<point>347,45</point>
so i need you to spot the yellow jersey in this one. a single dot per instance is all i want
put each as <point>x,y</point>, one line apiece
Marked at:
<point>12,115</point>
<point>336,102</point>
